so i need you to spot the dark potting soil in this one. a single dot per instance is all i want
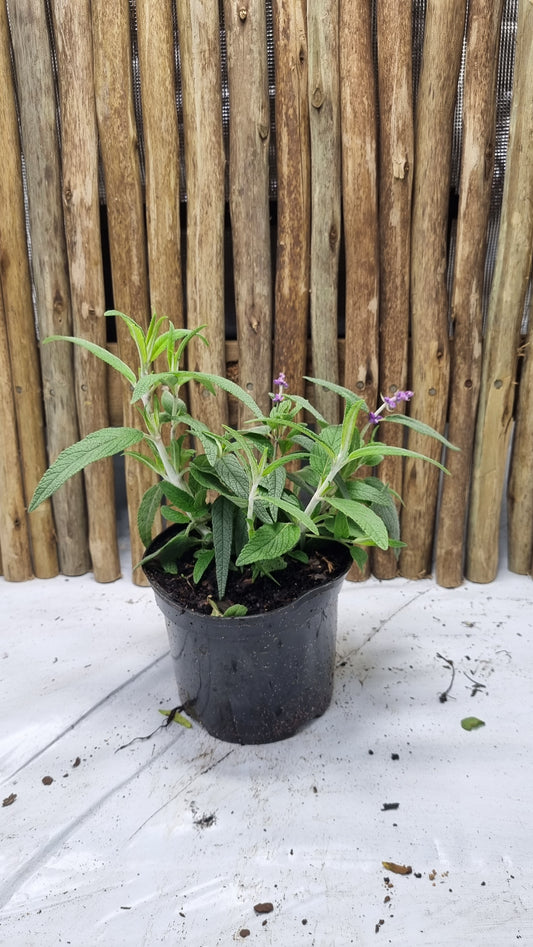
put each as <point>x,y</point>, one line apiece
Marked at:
<point>262,595</point>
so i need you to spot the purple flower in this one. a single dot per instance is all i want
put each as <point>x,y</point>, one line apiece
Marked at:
<point>281,384</point>
<point>373,418</point>
<point>392,403</point>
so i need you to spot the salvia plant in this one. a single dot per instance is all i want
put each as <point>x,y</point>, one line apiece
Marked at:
<point>257,496</point>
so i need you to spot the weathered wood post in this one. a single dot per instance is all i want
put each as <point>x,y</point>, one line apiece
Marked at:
<point>324,115</point>
<point>36,97</point>
<point>477,162</point>
<point>81,208</point>
<point>249,194</point>
<point>15,283</point>
<point>396,164</point>
<point>429,259</point>
<point>506,306</point>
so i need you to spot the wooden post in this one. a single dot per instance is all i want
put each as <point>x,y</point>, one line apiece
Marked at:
<point>396,151</point>
<point>198,23</point>
<point>79,151</point>
<point>506,306</point>
<point>324,115</point>
<point>127,238</point>
<point>15,283</point>
<point>293,177</point>
<point>161,157</point>
<point>360,198</point>
<point>37,105</point>
<point>520,486</point>
<point>360,205</point>
<point>477,162</point>
<point>429,297</point>
<point>14,536</point>
<point>248,193</point>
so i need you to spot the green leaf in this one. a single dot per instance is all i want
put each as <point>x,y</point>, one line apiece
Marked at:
<point>135,331</point>
<point>170,553</point>
<point>368,491</point>
<point>368,453</point>
<point>223,513</point>
<point>235,611</point>
<point>100,352</point>
<point>151,381</point>
<point>306,405</point>
<point>179,498</point>
<point>232,475</point>
<point>96,446</point>
<point>230,387</point>
<point>359,556</point>
<point>419,427</point>
<point>472,723</point>
<point>269,542</point>
<point>204,558</point>
<point>364,517</point>
<point>148,509</point>
<point>345,393</point>
<point>294,511</point>
<point>174,516</point>
<point>389,514</point>
<point>179,718</point>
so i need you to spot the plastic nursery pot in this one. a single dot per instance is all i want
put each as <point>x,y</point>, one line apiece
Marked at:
<point>259,678</point>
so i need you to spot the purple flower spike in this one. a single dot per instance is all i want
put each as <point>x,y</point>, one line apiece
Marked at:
<point>281,381</point>
<point>373,418</point>
<point>277,399</point>
<point>391,402</point>
<point>404,395</point>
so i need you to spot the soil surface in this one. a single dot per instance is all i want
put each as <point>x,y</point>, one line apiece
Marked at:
<point>262,595</point>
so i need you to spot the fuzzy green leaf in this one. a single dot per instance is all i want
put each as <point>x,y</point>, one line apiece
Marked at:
<point>223,514</point>
<point>345,393</point>
<point>184,501</point>
<point>230,387</point>
<point>96,446</point>
<point>232,475</point>
<point>419,427</point>
<point>112,360</point>
<point>269,542</point>
<point>359,556</point>
<point>365,518</point>
<point>148,509</point>
<point>204,558</point>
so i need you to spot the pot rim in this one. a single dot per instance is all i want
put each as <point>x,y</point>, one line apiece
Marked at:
<point>310,593</point>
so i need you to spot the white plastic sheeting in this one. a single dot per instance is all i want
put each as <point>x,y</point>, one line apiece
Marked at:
<point>175,839</point>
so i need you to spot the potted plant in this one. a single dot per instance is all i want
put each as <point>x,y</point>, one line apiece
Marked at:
<point>265,522</point>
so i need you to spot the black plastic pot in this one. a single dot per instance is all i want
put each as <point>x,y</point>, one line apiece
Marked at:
<point>259,678</point>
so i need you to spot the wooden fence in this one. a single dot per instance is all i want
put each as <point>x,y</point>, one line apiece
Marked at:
<point>319,225</point>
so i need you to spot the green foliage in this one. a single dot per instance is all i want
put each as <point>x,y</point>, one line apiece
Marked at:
<point>253,498</point>
<point>472,723</point>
